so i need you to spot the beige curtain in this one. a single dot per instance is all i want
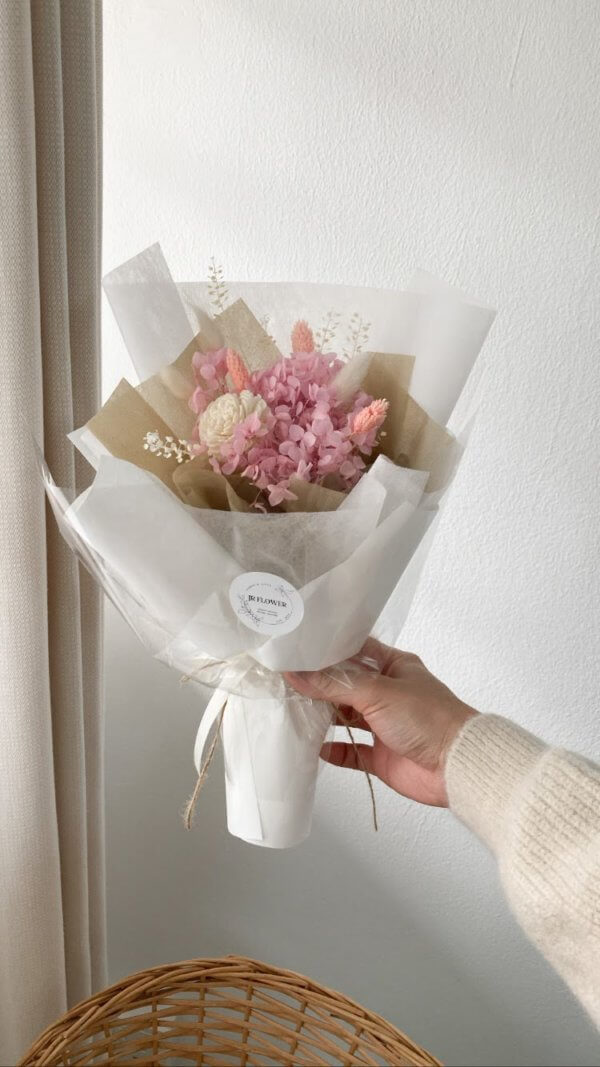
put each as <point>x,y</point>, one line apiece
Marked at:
<point>52,936</point>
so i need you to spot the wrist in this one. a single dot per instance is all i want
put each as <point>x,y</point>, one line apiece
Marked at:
<point>461,716</point>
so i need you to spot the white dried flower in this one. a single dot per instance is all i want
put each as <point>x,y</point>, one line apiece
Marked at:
<point>218,421</point>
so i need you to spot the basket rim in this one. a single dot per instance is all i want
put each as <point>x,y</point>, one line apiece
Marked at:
<point>116,997</point>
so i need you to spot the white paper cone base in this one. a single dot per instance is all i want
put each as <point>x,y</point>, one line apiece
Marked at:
<point>271,750</point>
<point>284,828</point>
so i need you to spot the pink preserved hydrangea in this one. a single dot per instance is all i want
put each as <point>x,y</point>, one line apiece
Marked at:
<point>307,432</point>
<point>210,369</point>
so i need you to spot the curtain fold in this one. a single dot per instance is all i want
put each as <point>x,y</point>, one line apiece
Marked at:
<point>52,916</point>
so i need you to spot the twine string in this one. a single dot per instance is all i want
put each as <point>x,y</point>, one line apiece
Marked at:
<point>188,815</point>
<point>361,764</point>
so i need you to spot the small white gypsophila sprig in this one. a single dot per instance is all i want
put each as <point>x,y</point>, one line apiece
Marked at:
<point>328,330</point>
<point>357,336</point>
<point>169,448</point>
<point>217,289</point>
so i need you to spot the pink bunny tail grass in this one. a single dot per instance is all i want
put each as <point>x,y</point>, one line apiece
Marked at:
<point>238,372</point>
<point>370,418</point>
<point>302,337</point>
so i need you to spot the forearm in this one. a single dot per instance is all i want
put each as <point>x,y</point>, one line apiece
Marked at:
<point>538,809</point>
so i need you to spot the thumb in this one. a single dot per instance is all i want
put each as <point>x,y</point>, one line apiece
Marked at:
<point>356,693</point>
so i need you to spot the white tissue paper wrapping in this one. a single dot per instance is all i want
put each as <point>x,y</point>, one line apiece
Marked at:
<point>169,567</point>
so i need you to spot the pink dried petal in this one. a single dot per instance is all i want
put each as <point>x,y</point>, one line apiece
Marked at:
<point>279,492</point>
<point>307,433</point>
<point>197,360</point>
<point>322,426</point>
<point>252,423</point>
<point>288,448</point>
<point>198,400</point>
<point>239,440</point>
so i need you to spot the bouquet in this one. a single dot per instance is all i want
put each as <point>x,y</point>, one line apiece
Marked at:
<point>265,497</point>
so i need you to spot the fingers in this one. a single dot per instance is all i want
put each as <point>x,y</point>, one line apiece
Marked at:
<point>347,716</point>
<point>340,754</point>
<point>374,655</point>
<point>319,685</point>
<point>379,663</point>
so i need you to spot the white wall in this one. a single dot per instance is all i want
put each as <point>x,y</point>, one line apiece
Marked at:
<point>350,142</point>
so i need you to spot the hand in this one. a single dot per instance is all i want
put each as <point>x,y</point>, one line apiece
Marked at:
<point>412,716</point>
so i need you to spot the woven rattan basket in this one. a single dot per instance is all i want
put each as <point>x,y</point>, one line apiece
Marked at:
<point>222,1011</point>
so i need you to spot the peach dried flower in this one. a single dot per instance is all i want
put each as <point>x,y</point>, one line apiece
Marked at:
<point>371,417</point>
<point>238,372</point>
<point>302,337</point>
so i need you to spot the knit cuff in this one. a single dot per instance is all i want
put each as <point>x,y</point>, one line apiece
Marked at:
<point>487,766</point>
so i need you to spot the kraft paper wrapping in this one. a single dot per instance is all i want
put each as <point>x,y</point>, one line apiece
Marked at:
<point>121,425</point>
<point>441,326</point>
<point>391,373</point>
<point>311,497</point>
<point>169,390</point>
<point>242,331</point>
<point>201,487</point>
<point>411,437</point>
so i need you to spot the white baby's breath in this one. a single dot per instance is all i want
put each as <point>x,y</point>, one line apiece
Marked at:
<point>167,448</point>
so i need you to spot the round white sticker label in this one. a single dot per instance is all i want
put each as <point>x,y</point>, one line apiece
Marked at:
<point>266,603</point>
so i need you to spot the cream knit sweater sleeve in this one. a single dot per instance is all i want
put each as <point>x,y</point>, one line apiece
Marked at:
<point>538,810</point>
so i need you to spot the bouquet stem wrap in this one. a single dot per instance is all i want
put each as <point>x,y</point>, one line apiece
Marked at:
<point>271,752</point>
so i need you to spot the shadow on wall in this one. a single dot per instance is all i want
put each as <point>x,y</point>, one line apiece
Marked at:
<point>317,909</point>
